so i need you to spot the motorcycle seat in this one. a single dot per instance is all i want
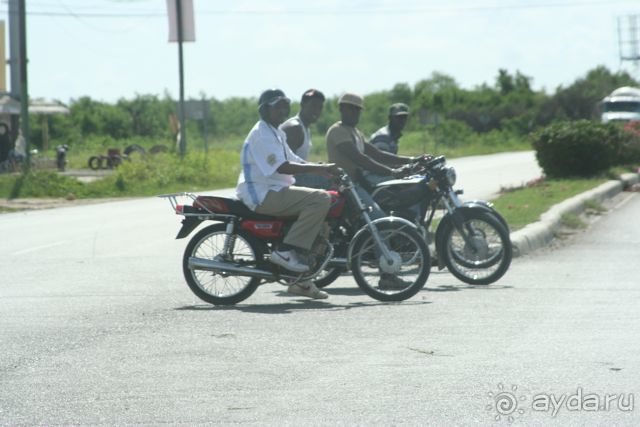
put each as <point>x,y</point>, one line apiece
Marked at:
<point>228,205</point>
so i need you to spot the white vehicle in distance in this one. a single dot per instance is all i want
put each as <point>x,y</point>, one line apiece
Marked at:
<point>622,105</point>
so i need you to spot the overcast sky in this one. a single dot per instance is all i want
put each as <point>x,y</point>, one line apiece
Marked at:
<point>111,49</point>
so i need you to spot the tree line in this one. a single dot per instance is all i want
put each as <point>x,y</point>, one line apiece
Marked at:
<point>508,104</point>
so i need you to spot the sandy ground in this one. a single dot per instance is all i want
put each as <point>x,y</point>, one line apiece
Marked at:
<point>14,205</point>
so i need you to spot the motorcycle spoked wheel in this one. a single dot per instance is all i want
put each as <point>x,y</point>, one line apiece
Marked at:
<point>408,249</point>
<point>328,276</point>
<point>491,257</point>
<point>216,287</point>
<point>469,260</point>
<point>95,163</point>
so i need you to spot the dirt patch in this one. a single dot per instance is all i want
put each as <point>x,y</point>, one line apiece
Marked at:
<point>15,205</point>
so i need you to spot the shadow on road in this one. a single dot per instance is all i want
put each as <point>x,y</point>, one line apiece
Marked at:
<point>333,290</point>
<point>464,287</point>
<point>298,305</point>
<point>443,288</point>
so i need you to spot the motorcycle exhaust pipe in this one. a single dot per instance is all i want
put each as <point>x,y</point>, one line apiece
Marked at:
<point>225,267</point>
<point>337,262</point>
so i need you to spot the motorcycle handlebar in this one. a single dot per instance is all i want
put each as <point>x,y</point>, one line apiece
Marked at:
<point>433,162</point>
<point>424,166</point>
<point>343,179</point>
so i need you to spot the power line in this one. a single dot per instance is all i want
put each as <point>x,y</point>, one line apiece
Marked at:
<point>387,11</point>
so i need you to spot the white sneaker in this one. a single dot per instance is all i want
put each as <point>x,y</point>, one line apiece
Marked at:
<point>288,260</point>
<point>308,289</point>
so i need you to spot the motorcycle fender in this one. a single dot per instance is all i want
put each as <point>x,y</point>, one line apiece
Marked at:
<point>487,206</point>
<point>188,225</point>
<point>389,219</point>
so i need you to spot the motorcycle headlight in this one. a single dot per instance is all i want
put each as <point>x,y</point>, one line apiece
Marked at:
<point>450,174</point>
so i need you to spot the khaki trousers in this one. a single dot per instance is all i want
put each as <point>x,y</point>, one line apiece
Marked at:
<point>308,204</point>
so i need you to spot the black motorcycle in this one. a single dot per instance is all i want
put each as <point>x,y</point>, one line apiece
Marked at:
<point>471,238</point>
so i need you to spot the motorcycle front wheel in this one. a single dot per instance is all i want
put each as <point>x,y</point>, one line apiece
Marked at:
<point>399,279</point>
<point>480,252</point>
<point>217,287</point>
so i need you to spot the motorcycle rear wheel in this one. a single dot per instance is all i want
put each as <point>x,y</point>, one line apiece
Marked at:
<point>328,276</point>
<point>216,287</point>
<point>489,260</point>
<point>406,246</point>
<point>95,163</point>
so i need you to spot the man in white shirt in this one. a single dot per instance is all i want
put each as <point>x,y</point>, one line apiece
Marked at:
<point>265,186</point>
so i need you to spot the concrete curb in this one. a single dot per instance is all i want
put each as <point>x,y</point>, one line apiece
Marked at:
<point>538,234</point>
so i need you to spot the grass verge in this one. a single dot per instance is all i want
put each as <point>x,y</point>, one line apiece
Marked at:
<point>162,173</point>
<point>522,206</point>
<point>4,209</point>
<point>199,170</point>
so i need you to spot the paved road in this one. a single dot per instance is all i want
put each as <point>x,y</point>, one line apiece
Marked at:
<point>483,176</point>
<point>97,327</point>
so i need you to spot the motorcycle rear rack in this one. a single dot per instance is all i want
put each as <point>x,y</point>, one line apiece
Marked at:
<point>202,213</point>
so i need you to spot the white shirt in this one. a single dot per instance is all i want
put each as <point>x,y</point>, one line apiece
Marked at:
<point>263,152</point>
<point>305,148</point>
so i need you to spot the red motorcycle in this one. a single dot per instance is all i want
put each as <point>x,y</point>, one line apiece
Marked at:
<point>225,262</point>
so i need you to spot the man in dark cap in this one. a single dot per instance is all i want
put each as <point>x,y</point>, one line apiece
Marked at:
<point>265,186</point>
<point>387,137</point>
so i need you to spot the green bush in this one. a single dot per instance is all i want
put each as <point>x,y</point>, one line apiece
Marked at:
<point>167,172</point>
<point>577,149</point>
<point>630,152</point>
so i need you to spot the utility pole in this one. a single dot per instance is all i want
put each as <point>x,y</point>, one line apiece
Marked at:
<point>24,93</point>
<point>14,50</point>
<point>183,128</point>
<point>18,62</point>
<point>181,29</point>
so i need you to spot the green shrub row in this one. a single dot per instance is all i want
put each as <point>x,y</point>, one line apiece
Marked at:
<point>584,148</point>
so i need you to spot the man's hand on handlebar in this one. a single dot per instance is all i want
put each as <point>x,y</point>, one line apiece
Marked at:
<point>330,170</point>
<point>403,171</point>
<point>422,159</point>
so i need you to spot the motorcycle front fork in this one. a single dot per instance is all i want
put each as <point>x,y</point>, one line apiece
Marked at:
<point>384,250</point>
<point>458,219</point>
